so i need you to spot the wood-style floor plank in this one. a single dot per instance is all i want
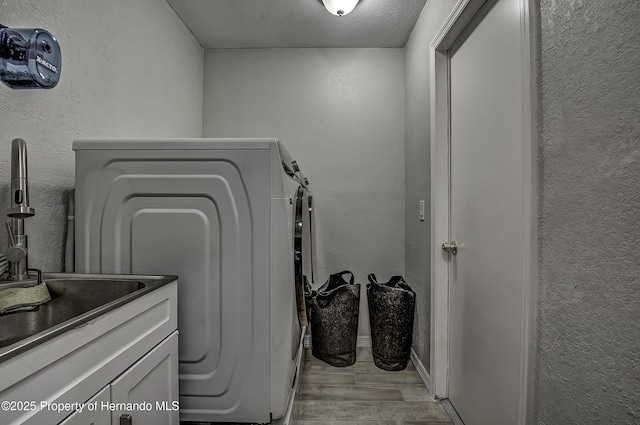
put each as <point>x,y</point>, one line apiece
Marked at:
<point>386,378</point>
<point>364,394</point>
<point>415,393</point>
<point>351,393</point>
<point>321,378</point>
<point>314,364</point>
<point>312,422</point>
<point>369,410</point>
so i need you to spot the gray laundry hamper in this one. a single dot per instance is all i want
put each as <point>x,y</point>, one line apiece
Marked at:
<point>333,315</point>
<point>391,311</point>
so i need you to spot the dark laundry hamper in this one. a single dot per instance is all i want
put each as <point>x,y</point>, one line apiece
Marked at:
<point>391,310</point>
<point>333,315</point>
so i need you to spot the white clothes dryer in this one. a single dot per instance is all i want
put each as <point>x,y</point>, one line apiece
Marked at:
<point>232,218</point>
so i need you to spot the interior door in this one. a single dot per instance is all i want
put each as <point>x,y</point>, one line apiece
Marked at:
<point>486,217</point>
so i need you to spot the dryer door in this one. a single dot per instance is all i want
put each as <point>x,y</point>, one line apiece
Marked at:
<point>301,245</point>
<point>310,248</point>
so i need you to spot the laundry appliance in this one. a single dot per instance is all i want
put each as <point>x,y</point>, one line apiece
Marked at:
<point>233,219</point>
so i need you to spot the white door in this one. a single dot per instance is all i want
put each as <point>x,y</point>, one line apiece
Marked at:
<point>486,217</point>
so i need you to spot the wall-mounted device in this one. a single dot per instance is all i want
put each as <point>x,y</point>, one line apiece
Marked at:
<point>29,58</point>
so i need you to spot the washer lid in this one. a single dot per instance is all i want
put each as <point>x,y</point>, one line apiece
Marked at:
<point>174,144</point>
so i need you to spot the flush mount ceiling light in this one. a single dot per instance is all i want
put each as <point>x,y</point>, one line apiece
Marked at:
<point>340,7</point>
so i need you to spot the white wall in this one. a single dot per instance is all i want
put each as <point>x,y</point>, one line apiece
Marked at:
<point>340,113</point>
<point>418,168</point>
<point>128,69</point>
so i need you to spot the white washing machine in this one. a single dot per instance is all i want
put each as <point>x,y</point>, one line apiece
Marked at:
<point>232,218</point>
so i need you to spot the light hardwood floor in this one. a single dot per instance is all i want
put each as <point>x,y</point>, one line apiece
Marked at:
<point>364,394</point>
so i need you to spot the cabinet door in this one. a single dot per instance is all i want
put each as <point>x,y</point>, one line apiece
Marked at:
<point>150,387</point>
<point>91,415</point>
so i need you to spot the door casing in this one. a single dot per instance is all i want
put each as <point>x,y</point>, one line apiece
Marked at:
<point>461,16</point>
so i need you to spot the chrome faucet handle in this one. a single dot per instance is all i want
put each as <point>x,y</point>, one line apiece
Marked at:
<point>12,240</point>
<point>15,253</point>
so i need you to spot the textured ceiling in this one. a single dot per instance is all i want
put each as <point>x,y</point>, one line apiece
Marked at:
<point>297,23</point>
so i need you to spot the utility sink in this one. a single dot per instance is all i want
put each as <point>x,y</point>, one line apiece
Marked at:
<point>75,300</point>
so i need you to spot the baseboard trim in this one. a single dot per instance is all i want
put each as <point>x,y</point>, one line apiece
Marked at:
<point>451,411</point>
<point>422,371</point>
<point>426,379</point>
<point>363,341</point>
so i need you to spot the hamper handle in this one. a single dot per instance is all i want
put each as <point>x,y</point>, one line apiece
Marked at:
<point>341,274</point>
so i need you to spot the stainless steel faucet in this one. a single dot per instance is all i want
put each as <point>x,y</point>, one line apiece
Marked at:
<point>20,209</point>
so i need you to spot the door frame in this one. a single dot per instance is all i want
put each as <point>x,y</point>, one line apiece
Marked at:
<point>461,16</point>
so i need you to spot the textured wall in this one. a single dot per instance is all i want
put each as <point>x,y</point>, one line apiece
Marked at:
<point>340,113</point>
<point>588,343</point>
<point>417,169</point>
<point>128,69</point>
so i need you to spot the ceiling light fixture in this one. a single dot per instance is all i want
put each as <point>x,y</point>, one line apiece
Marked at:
<point>340,7</point>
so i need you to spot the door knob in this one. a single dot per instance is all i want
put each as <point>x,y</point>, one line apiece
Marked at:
<point>451,247</point>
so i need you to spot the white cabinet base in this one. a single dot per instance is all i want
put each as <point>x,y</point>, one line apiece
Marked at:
<point>75,366</point>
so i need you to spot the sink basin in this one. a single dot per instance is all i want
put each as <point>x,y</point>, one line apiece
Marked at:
<point>75,300</point>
